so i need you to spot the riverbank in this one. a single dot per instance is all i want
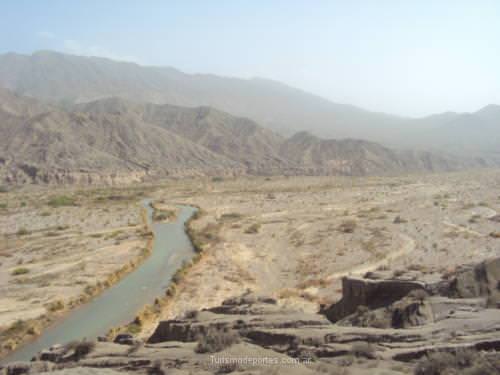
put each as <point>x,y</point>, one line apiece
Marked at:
<point>61,251</point>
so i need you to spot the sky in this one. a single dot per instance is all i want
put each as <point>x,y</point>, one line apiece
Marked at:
<point>404,57</point>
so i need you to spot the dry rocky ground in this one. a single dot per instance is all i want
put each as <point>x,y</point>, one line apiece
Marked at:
<point>294,238</point>
<point>382,258</point>
<point>59,248</point>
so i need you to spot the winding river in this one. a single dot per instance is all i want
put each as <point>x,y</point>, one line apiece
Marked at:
<point>120,303</point>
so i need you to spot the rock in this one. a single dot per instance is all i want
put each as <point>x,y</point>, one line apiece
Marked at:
<point>19,368</point>
<point>481,280</point>
<point>370,293</point>
<point>495,218</point>
<point>124,339</point>
<point>410,312</point>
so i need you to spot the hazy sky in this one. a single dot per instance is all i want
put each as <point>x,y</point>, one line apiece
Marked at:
<point>405,57</point>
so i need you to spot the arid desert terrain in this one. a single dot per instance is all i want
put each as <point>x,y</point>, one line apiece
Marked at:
<point>275,255</point>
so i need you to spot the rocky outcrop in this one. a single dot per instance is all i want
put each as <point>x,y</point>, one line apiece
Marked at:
<point>369,293</point>
<point>480,280</point>
<point>410,311</point>
<point>380,333</point>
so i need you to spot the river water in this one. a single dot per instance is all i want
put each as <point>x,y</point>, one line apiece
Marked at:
<point>120,303</point>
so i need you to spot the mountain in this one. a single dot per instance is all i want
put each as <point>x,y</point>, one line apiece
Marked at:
<point>114,140</point>
<point>60,146</point>
<point>236,138</point>
<point>360,158</point>
<point>63,79</point>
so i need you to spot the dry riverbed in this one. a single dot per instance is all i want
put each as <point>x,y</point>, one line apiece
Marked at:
<point>289,237</point>
<point>294,238</point>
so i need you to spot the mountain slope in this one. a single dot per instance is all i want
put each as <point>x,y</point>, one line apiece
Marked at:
<point>115,140</point>
<point>58,146</point>
<point>64,78</point>
<point>358,157</point>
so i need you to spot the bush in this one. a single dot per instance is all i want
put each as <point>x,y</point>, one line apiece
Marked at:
<point>56,306</point>
<point>399,220</point>
<point>252,229</point>
<point>61,201</point>
<point>80,348</point>
<point>3,189</point>
<point>216,339</point>
<point>20,271</point>
<point>348,226</point>
<point>22,232</point>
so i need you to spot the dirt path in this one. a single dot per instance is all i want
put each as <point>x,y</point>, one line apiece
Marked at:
<point>408,247</point>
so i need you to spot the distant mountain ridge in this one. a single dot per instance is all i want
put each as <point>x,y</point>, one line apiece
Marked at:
<point>114,140</point>
<point>64,80</point>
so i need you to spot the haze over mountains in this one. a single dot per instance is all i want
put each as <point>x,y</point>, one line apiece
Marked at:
<point>70,118</point>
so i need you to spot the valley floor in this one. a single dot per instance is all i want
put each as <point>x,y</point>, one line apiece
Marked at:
<point>292,238</point>
<point>61,247</point>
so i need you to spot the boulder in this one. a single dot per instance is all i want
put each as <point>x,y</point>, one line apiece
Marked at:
<point>124,339</point>
<point>370,293</point>
<point>481,280</point>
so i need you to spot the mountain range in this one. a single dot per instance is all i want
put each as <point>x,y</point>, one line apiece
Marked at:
<point>67,118</point>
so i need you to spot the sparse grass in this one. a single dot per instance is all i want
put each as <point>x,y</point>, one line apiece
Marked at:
<point>216,339</point>
<point>208,236</point>
<point>61,201</point>
<point>20,271</point>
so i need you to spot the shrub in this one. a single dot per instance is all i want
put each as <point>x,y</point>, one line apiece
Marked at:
<point>216,339</point>
<point>22,232</point>
<point>3,206</point>
<point>55,306</point>
<point>217,179</point>
<point>399,220</point>
<point>20,271</point>
<point>3,189</point>
<point>252,229</point>
<point>61,201</point>
<point>348,226</point>
<point>80,348</point>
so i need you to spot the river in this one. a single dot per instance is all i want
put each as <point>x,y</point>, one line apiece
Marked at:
<point>119,304</point>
